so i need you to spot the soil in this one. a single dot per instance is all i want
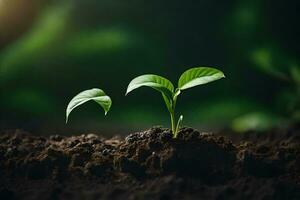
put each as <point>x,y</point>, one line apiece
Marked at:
<point>151,165</point>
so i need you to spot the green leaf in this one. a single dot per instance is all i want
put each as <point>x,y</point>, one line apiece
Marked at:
<point>94,94</point>
<point>156,82</point>
<point>257,121</point>
<point>198,76</point>
<point>168,102</point>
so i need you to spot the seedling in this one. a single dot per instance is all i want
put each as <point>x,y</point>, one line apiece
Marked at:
<point>94,94</point>
<point>190,78</point>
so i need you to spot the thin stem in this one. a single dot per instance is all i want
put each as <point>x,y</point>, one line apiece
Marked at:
<point>173,123</point>
<point>178,125</point>
<point>173,120</point>
<point>171,104</point>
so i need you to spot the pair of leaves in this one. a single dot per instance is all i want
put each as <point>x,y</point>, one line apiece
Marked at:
<point>190,78</point>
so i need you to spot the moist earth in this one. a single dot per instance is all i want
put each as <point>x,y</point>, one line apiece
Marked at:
<point>151,165</point>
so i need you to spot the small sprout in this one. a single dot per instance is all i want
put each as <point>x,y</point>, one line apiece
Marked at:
<point>94,94</point>
<point>190,78</point>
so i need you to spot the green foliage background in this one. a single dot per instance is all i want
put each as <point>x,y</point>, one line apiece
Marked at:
<point>54,49</point>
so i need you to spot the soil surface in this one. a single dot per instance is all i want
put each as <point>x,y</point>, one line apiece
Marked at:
<point>151,165</point>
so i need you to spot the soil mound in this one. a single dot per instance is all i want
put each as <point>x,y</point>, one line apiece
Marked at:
<point>149,165</point>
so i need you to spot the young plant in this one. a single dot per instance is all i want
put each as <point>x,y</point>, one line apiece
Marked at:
<point>190,78</point>
<point>94,94</point>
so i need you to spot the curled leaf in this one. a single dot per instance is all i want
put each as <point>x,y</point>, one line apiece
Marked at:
<point>94,94</point>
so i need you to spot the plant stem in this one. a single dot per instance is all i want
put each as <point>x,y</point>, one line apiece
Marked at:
<point>178,125</point>
<point>173,120</point>
<point>172,114</point>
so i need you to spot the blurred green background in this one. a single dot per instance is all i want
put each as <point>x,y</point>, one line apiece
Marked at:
<point>51,50</point>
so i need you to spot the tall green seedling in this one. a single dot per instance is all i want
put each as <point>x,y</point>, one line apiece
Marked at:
<point>190,78</point>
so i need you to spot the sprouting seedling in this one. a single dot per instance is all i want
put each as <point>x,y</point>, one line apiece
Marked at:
<point>94,94</point>
<point>190,78</point>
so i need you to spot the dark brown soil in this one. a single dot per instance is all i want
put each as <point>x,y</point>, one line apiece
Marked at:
<point>151,165</point>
